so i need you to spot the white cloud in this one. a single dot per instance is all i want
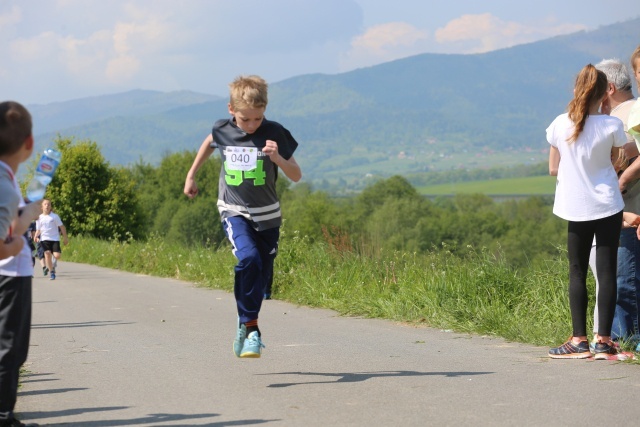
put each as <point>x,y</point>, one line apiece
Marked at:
<point>384,42</point>
<point>65,48</point>
<point>485,32</point>
<point>11,17</point>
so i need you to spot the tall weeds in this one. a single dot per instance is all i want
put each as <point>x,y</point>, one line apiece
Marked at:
<point>477,292</point>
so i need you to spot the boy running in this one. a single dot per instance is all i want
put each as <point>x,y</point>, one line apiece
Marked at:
<point>48,229</point>
<point>252,150</point>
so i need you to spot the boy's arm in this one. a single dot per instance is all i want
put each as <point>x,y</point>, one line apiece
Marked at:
<point>289,166</point>
<point>19,226</point>
<point>205,151</point>
<point>11,248</point>
<point>27,214</point>
<point>63,231</point>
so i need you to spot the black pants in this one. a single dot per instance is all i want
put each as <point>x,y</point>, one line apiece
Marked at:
<point>15,328</point>
<point>579,241</point>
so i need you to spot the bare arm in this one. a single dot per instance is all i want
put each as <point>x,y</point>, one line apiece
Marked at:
<point>20,224</point>
<point>205,151</point>
<point>63,231</point>
<point>28,213</point>
<point>554,161</point>
<point>289,166</point>
<point>11,247</point>
<point>631,174</point>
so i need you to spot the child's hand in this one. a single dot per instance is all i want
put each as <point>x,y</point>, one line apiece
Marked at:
<point>31,211</point>
<point>633,220</point>
<point>271,149</point>
<point>190,188</point>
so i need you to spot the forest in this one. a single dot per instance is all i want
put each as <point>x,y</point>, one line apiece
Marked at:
<point>96,199</point>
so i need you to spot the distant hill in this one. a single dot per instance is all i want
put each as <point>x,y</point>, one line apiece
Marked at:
<point>59,116</point>
<point>422,113</point>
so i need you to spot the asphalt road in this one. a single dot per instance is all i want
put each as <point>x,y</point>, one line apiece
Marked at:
<point>117,349</point>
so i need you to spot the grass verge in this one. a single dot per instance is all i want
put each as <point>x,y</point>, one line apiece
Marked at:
<point>477,293</point>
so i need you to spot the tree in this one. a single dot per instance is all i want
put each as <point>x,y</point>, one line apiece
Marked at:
<point>92,197</point>
<point>375,195</point>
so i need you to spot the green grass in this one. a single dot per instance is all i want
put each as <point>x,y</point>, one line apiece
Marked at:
<point>535,185</point>
<point>477,293</point>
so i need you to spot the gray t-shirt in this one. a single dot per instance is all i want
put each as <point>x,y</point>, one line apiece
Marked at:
<point>9,200</point>
<point>247,185</point>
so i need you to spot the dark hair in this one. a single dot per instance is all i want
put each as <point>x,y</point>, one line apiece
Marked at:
<point>591,86</point>
<point>15,126</point>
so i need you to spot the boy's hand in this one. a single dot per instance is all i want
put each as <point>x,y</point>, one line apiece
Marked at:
<point>190,188</point>
<point>271,149</point>
<point>31,211</point>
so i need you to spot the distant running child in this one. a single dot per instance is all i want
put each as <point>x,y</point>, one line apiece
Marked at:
<point>252,149</point>
<point>49,227</point>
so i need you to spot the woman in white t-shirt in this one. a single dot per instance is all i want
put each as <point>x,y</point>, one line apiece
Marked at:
<point>583,142</point>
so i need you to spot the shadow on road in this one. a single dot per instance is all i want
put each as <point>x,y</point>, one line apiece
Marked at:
<point>354,377</point>
<point>152,419</point>
<point>80,324</point>
<point>50,391</point>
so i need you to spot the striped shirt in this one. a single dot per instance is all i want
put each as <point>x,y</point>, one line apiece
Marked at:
<point>247,185</point>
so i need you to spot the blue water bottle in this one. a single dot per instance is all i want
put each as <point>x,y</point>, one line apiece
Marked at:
<point>44,174</point>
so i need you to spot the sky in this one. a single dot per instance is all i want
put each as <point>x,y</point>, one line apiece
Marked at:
<point>58,50</point>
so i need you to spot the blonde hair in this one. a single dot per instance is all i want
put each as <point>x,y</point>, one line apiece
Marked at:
<point>591,86</point>
<point>248,92</point>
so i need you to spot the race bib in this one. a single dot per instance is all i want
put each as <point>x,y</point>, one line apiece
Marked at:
<point>241,158</point>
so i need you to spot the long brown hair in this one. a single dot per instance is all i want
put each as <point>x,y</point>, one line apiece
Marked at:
<point>591,86</point>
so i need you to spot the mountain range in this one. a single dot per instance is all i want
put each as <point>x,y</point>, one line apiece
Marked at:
<point>428,112</point>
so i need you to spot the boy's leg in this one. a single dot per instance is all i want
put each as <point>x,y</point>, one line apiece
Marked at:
<point>40,254</point>
<point>248,286</point>
<point>15,326</point>
<point>268,247</point>
<point>57,253</point>
<point>47,247</point>
<point>47,260</point>
<point>249,283</point>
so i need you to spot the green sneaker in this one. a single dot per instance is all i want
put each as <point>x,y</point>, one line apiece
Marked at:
<point>252,346</point>
<point>238,343</point>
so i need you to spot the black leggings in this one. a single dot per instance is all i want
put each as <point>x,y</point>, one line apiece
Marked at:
<point>579,241</point>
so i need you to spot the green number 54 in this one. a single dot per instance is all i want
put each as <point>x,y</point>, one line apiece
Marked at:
<point>236,177</point>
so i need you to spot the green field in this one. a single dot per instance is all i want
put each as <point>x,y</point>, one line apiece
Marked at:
<point>535,185</point>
